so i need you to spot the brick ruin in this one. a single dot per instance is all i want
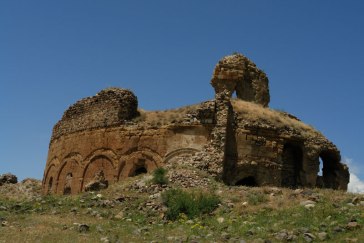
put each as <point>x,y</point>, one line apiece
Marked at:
<point>104,139</point>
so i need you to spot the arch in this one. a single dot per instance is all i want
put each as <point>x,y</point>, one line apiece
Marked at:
<point>67,189</point>
<point>178,153</point>
<point>247,181</point>
<point>54,162</point>
<point>108,153</point>
<point>73,167</point>
<point>330,166</point>
<point>74,156</point>
<point>98,165</point>
<point>132,164</point>
<point>51,172</point>
<point>50,185</point>
<point>140,170</point>
<point>292,158</point>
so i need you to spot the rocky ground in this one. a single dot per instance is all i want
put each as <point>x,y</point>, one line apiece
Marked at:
<point>133,211</point>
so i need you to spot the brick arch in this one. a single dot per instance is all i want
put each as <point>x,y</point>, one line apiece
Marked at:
<point>50,179</point>
<point>136,160</point>
<point>106,152</point>
<point>50,171</point>
<point>68,176</point>
<point>169,157</point>
<point>97,163</point>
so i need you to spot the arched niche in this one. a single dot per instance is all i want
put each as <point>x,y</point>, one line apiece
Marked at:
<point>98,165</point>
<point>49,181</point>
<point>68,179</point>
<point>138,163</point>
<point>292,158</point>
<point>173,156</point>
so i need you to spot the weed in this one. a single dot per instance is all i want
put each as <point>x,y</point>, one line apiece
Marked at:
<point>159,176</point>
<point>191,204</point>
<point>256,198</point>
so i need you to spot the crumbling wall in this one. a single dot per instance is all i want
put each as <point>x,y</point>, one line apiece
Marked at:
<point>109,107</point>
<point>75,160</point>
<point>238,73</point>
<point>96,143</point>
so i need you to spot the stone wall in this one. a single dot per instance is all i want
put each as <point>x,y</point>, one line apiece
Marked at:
<point>97,142</point>
<point>236,73</point>
<point>75,159</point>
<point>110,107</point>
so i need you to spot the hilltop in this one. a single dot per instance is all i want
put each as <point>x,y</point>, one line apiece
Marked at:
<point>137,210</point>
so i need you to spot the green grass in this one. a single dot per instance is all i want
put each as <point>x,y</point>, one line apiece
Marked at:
<point>159,176</point>
<point>212,213</point>
<point>192,204</point>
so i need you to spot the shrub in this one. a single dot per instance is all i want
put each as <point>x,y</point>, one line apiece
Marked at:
<point>191,204</point>
<point>159,176</point>
<point>256,198</point>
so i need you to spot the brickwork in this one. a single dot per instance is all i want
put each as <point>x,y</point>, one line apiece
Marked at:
<point>103,139</point>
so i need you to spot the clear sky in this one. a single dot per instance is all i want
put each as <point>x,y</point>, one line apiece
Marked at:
<point>52,53</point>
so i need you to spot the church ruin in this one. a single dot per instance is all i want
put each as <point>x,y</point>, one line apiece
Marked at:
<point>106,138</point>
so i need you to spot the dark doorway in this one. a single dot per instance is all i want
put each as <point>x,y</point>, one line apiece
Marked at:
<point>50,184</point>
<point>140,170</point>
<point>291,165</point>
<point>329,162</point>
<point>68,184</point>
<point>247,181</point>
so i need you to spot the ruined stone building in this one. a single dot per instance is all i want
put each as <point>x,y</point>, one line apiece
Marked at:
<point>238,140</point>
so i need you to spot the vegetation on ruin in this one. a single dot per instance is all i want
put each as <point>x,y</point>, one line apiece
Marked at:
<point>251,113</point>
<point>138,211</point>
<point>159,176</point>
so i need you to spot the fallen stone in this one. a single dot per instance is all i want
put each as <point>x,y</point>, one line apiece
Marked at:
<point>309,206</point>
<point>83,228</point>
<point>355,200</point>
<point>309,237</point>
<point>339,229</point>
<point>322,235</point>
<point>105,239</point>
<point>8,178</point>
<point>352,225</point>
<point>4,223</point>
<point>220,220</point>
<point>304,203</point>
<point>96,185</point>
<point>120,215</point>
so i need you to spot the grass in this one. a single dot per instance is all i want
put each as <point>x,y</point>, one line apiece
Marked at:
<point>159,176</point>
<point>192,204</point>
<point>248,111</point>
<point>213,213</point>
<point>166,117</point>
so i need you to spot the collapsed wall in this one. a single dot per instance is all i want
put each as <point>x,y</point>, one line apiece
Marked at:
<point>104,139</point>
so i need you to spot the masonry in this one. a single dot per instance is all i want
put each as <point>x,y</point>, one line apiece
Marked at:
<point>241,141</point>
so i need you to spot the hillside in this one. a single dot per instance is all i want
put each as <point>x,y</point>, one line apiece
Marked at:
<point>136,211</point>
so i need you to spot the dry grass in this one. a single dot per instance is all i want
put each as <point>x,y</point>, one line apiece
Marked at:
<point>160,118</point>
<point>256,113</point>
<point>248,111</point>
<point>27,189</point>
<point>245,213</point>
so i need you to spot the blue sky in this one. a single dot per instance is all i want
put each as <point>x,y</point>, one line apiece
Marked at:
<point>52,53</point>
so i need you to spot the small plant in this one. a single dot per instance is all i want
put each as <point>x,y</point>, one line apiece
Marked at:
<point>159,176</point>
<point>191,204</point>
<point>256,198</point>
